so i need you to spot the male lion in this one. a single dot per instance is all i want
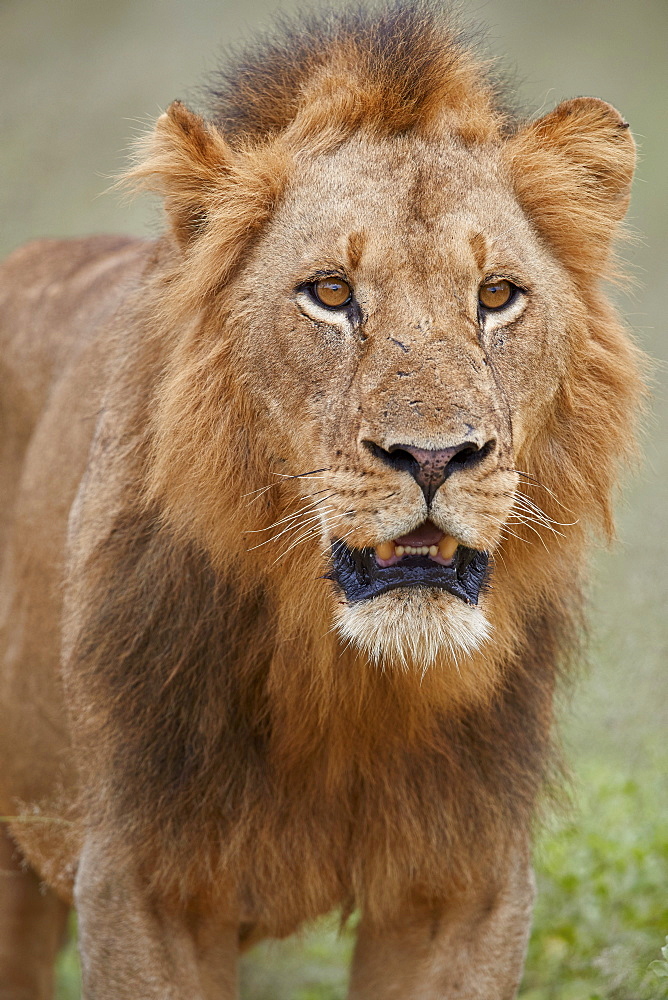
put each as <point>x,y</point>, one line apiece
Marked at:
<point>295,502</point>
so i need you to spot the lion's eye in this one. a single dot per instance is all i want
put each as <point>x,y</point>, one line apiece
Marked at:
<point>496,294</point>
<point>332,292</point>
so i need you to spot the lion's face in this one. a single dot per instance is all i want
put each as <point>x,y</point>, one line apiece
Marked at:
<point>391,307</point>
<point>405,333</point>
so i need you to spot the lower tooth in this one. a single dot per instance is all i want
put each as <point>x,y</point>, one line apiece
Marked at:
<point>385,550</point>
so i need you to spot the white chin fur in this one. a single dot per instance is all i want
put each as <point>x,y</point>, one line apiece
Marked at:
<point>413,628</point>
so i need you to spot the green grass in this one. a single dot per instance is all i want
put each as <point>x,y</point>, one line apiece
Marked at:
<point>600,920</point>
<point>67,973</point>
<point>602,909</point>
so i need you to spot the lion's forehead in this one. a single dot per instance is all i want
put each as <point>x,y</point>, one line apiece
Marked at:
<point>418,205</point>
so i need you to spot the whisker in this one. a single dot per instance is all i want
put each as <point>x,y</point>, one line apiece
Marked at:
<point>523,502</point>
<point>522,515</point>
<point>504,527</point>
<point>310,506</point>
<point>530,505</point>
<point>535,513</point>
<point>506,532</point>
<point>259,492</point>
<point>291,527</point>
<point>531,528</point>
<point>530,521</point>
<point>528,509</point>
<point>536,482</point>
<point>284,520</point>
<point>499,553</point>
<point>342,538</point>
<point>284,475</point>
<point>301,475</point>
<point>312,532</point>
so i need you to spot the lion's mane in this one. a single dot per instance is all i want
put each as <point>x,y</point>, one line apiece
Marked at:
<point>237,738</point>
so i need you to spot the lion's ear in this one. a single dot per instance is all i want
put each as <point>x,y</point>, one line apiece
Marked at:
<point>572,173</point>
<point>181,159</point>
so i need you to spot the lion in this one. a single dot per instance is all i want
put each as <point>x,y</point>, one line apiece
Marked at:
<point>296,501</point>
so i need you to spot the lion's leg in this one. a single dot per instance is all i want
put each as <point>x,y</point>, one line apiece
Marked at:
<point>135,946</point>
<point>473,950</point>
<point>32,928</point>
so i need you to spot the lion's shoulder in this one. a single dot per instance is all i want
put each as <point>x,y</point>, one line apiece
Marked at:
<point>41,262</point>
<point>54,296</point>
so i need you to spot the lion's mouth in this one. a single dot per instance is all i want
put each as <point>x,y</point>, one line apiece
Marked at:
<point>426,557</point>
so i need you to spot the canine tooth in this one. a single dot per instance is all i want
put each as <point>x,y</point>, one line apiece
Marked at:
<point>433,550</point>
<point>447,547</point>
<point>385,550</point>
<point>399,550</point>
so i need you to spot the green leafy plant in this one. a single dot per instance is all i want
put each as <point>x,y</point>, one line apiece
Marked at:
<point>659,968</point>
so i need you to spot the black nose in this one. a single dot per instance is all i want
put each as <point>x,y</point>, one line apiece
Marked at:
<point>430,468</point>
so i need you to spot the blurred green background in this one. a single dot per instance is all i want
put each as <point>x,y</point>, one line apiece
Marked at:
<point>79,79</point>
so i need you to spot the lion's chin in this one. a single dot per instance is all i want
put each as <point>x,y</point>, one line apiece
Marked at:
<point>415,628</point>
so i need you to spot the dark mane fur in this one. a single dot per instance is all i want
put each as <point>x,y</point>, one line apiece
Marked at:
<point>403,50</point>
<point>172,653</point>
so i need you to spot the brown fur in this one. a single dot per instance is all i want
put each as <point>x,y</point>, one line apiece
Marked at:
<point>235,745</point>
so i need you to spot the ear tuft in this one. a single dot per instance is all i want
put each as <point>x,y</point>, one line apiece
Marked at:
<point>572,172</point>
<point>181,159</point>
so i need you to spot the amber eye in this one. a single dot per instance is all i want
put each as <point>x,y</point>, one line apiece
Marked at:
<point>495,294</point>
<point>332,292</point>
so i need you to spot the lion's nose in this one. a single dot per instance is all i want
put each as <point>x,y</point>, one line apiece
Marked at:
<point>431,467</point>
